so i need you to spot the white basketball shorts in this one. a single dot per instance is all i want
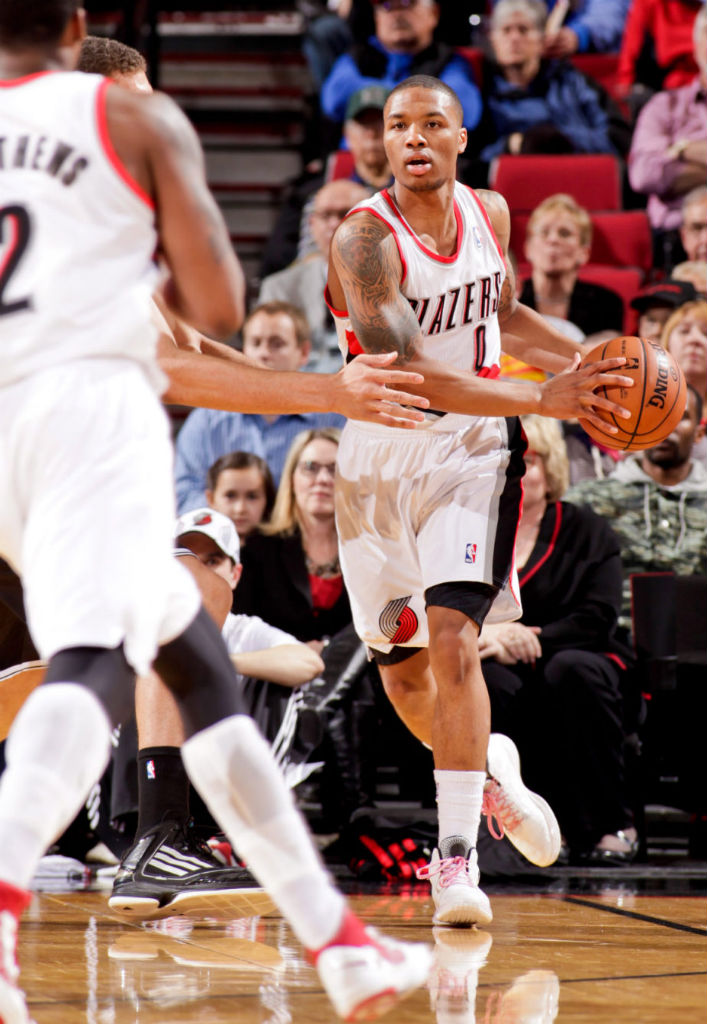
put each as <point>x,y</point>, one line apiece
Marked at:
<point>415,509</point>
<point>87,512</point>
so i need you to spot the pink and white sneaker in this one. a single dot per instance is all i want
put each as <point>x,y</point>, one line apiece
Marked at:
<point>365,973</point>
<point>523,816</point>
<point>457,897</point>
<point>13,1009</point>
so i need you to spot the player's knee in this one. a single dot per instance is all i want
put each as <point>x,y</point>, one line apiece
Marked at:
<point>102,670</point>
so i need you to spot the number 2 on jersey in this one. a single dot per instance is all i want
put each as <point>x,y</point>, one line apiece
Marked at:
<point>14,237</point>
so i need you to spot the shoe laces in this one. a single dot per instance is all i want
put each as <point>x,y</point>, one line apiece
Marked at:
<point>497,804</point>
<point>448,869</point>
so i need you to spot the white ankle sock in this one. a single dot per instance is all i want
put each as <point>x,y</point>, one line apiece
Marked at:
<point>232,768</point>
<point>459,799</point>
<point>58,746</point>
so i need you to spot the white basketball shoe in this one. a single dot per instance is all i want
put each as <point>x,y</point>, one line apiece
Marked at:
<point>522,815</point>
<point>365,973</point>
<point>457,897</point>
<point>13,1009</point>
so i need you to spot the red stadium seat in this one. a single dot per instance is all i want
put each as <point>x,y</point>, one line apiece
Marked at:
<point>602,67</point>
<point>339,164</point>
<point>621,238</point>
<point>594,180</point>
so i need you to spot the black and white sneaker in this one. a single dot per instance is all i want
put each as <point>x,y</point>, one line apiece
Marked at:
<point>169,870</point>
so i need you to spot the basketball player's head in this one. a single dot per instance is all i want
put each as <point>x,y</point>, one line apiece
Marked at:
<point>276,336</point>
<point>676,449</point>
<point>55,26</point>
<point>423,133</point>
<point>124,65</point>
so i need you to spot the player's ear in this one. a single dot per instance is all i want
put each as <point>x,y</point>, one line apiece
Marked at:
<point>463,138</point>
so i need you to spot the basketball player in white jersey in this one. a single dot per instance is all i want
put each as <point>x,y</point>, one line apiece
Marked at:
<point>427,520</point>
<point>92,180</point>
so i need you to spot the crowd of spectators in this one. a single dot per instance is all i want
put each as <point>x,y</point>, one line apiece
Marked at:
<point>561,670</point>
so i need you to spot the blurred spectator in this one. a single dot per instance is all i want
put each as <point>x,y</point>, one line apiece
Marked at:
<point>530,104</point>
<point>588,460</point>
<point>326,36</point>
<point>692,272</point>
<point>291,573</point>
<point>553,681</point>
<point>363,135</point>
<point>594,26</point>
<point>693,227</point>
<point>668,157</point>
<point>656,502</point>
<point>403,45</point>
<point>685,337</point>
<point>276,336</point>
<point>557,244</point>
<point>656,49</point>
<point>656,302</point>
<point>303,282</point>
<point>240,485</point>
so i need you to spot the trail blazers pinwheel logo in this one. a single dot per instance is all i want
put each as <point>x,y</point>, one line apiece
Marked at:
<point>397,621</point>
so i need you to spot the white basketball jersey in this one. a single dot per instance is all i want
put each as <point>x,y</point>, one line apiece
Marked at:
<point>455,298</point>
<point>77,234</point>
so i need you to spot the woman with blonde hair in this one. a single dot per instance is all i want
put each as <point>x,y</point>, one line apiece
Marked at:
<point>553,681</point>
<point>685,337</point>
<point>557,244</point>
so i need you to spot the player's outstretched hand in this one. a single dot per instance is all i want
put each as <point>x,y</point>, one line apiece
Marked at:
<point>572,393</point>
<point>361,392</point>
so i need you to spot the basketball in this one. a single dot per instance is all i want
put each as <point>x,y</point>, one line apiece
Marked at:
<point>656,401</point>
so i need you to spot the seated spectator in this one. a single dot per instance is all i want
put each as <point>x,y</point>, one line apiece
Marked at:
<point>531,104</point>
<point>363,136</point>
<point>557,244</point>
<point>403,45</point>
<point>303,282</point>
<point>657,302</point>
<point>685,336</point>
<point>665,28</point>
<point>668,157</point>
<point>291,573</point>
<point>240,485</point>
<point>692,272</point>
<point>656,502</point>
<point>275,335</point>
<point>591,26</point>
<point>693,227</point>
<point>553,684</point>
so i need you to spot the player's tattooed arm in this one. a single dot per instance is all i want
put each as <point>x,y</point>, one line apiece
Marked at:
<point>369,270</point>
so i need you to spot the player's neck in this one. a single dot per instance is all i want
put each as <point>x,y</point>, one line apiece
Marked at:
<point>431,214</point>
<point>21,63</point>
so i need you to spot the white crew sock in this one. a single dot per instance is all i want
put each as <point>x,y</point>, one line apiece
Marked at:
<point>232,767</point>
<point>459,799</point>
<point>58,746</point>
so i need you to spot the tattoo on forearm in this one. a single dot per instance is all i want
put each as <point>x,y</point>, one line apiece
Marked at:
<point>369,272</point>
<point>508,295</point>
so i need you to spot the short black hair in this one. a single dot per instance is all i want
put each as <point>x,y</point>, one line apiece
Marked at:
<point>34,22</point>
<point>103,56</point>
<point>429,82</point>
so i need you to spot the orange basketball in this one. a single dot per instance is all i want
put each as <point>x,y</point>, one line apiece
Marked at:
<point>656,401</point>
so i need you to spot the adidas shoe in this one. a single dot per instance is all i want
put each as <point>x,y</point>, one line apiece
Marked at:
<point>168,870</point>
<point>459,956</point>
<point>13,1008</point>
<point>457,897</point>
<point>523,816</point>
<point>365,973</point>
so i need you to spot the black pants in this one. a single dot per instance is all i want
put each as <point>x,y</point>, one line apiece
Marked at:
<point>566,717</point>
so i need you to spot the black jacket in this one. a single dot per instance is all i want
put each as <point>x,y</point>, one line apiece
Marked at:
<point>592,307</point>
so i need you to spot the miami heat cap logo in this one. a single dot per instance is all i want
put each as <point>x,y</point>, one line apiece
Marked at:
<point>397,621</point>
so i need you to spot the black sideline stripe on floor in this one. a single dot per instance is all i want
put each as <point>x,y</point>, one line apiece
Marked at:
<point>637,917</point>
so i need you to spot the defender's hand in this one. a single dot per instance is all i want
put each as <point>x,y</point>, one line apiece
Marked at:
<point>361,392</point>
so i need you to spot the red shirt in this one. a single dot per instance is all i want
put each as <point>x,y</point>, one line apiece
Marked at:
<point>325,592</point>
<point>669,24</point>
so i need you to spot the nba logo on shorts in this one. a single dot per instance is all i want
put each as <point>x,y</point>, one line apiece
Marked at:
<point>470,555</point>
<point>150,769</point>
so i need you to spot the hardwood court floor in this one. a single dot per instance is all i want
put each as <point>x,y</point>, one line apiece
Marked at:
<point>613,956</point>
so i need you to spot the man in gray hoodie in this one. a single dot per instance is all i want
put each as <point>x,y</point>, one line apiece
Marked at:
<point>656,502</point>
